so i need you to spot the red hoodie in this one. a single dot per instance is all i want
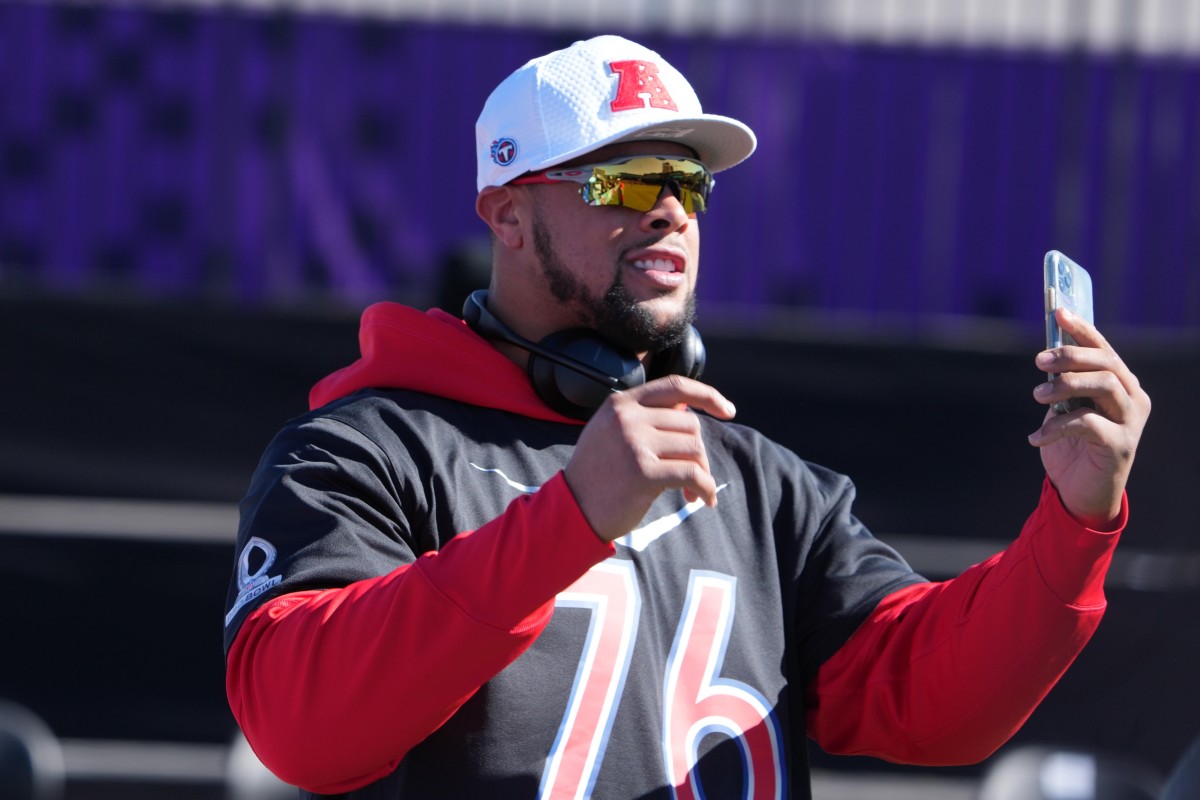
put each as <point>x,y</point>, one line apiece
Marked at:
<point>939,673</point>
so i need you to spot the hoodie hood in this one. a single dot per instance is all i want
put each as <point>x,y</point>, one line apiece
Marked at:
<point>435,353</point>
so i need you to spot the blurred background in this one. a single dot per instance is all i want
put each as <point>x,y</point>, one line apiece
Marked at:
<point>198,198</point>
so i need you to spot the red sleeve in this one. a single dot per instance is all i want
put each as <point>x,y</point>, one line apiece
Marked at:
<point>333,687</point>
<point>945,673</point>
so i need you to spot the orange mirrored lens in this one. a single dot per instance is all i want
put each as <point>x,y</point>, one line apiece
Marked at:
<point>638,182</point>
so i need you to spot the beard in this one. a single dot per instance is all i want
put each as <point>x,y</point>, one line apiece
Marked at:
<point>617,315</point>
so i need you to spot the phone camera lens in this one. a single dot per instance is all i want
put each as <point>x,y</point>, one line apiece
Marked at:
<point>1064,279</point>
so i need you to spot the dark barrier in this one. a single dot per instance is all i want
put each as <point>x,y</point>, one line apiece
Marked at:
<point>155,416</point>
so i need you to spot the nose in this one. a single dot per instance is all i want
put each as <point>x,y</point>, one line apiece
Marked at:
<point>668,215</point>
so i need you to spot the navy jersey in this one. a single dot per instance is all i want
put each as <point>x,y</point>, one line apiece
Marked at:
<point>678,649</point>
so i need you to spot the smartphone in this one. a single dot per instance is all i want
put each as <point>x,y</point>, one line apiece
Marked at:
<point>1067,285</point>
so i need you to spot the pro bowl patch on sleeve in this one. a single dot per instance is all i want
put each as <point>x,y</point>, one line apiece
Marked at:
<point>253,584</point>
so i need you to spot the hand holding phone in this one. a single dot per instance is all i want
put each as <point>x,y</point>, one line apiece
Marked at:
<point>1087,454</point>
<point>1066,285</point>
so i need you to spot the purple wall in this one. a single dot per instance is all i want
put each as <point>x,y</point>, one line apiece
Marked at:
<point>221,155</point>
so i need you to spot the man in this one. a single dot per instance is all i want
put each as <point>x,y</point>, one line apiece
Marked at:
<point>507,558</point>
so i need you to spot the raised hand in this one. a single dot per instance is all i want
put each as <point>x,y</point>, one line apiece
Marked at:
<point>1088,452</point>
<point>638,444</point>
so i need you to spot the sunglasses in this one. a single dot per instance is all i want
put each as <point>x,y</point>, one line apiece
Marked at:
<point>635,182</point>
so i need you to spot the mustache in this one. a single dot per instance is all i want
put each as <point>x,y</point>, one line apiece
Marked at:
<point>649,241</point>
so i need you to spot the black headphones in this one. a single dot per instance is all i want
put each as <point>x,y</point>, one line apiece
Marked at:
<point>573,371</point>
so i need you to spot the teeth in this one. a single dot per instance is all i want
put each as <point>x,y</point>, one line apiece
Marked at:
<point>657,264</point>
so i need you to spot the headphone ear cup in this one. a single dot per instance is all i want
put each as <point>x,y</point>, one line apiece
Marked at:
<point>686,358</point>
<point>569,392</point>
<point>574,371</point>
<point>476,314</point>
<point>473,307</point>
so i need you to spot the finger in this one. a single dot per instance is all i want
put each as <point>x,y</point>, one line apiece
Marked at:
<point>1093,353</point>
<point>678,418</point>
<point>667,460</point>
<point>1082,331</point>
<point>695,480</point>
<point>674,390</point>
<point>670,455</point>
<point>661,441</point>
<point>1082,423</point>
<point>1104,389</point>
<point>639,422</point>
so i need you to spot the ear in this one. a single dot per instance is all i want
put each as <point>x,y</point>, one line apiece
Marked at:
<point>498,207</point>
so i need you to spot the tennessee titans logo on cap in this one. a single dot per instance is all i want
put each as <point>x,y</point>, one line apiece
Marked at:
<point>504,151</point>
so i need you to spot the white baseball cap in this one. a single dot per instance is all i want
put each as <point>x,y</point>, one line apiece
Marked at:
<point>596,92</point>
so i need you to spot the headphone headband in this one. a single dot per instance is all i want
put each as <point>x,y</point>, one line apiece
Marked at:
<point>477,315</point>
<point>573,371</point>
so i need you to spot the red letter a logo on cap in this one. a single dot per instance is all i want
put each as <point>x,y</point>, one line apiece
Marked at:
<point>639,78</point>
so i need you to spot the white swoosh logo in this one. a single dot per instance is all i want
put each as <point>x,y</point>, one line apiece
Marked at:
<point>520,487</point>
<point>637,539</point>
<point>640,538</point>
